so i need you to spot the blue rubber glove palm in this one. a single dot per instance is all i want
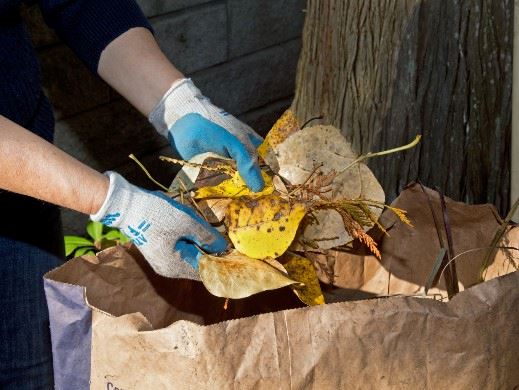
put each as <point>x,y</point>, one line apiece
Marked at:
<point>194,126</point>
<point>193,134</point>
<point>166,232</point>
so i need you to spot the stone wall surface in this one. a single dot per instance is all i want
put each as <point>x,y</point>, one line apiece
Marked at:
<point>241,53</point>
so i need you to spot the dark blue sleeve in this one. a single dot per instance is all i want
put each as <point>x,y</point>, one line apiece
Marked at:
<point>88,26</point>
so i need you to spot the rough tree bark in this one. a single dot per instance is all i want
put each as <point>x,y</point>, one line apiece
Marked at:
<point>386,70</point>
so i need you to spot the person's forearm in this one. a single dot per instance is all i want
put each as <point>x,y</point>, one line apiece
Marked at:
<point>34,167</point>
<point>134,66</point>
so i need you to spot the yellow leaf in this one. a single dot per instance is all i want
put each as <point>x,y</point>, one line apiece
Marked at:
<point>238,276</point>
<point>284,126</point>
<point>263,227</point>
<point>301,269</point>
<point>234,187</point>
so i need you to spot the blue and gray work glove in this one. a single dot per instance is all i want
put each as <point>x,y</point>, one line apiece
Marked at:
<point>166,232</point>
<point>194,126</point>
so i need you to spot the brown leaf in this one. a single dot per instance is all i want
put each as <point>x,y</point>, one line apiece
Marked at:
<point>238,276</point>
<point>408,254</point>
<point>298,156</point>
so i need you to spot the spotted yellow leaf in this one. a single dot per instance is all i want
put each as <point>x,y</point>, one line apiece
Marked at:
<point>301,269</point>
<point>238,276</point>
<point>286,125</point>
<point>263,227</point>
<point>234,187</point>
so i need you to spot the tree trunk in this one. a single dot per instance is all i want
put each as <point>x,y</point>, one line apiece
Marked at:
<point>386,70</point>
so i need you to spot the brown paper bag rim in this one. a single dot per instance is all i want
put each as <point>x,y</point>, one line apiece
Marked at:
<point>430,303</point>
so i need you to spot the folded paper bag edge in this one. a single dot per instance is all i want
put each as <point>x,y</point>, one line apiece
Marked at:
<point>71,334</point>
<point>60,270</point>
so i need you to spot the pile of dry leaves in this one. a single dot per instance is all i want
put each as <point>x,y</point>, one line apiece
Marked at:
<point>318,196</point>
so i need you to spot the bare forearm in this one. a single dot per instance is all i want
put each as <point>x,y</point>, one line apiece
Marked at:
<point>134,66</point>
<point>34,167</point>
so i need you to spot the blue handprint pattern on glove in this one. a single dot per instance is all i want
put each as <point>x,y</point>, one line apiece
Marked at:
<point>137,234</point>
<point>109,219</point>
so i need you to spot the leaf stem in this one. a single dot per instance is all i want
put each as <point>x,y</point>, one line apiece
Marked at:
<point>511,261</point>
<point>200,249</point>
<point>132,156</point>
<point>384,152</point>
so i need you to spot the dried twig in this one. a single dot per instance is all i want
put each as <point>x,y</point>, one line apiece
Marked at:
<point>438,232</point>
<point>302,185</point>
<point>197,207</point>
<point>132,156</point>
<point>311,119</point>
<point>478,249</point>
<point>384,152</point>
<point>497,237</point>
<point>221,168</point>
<point>452,283</point>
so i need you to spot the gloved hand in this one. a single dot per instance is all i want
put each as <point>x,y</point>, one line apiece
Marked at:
<point>164,230</point>
<point>194,125</point>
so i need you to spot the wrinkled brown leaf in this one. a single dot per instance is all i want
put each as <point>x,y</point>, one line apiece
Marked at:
<point>238,276</point>
<point>298,156</point>
<point>408,254</point>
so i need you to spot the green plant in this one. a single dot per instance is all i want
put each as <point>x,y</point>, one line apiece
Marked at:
<point>99,237</point>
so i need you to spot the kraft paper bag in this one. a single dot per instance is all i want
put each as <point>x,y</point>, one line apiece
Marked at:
<point>115,324</point>
<point>409,252</point>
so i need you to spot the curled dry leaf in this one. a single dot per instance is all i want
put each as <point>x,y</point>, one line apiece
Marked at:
<point>238,276</point>
<point>218,208</point>
<point>234,187</point>
<point>189,174</point>
<point>213,185</point>
<point>301,269</point>
<point>298,156</point>
<point>286,125</point>
<point>280,186</point>
<point>214,209</point>
<point>276,264</point>
<point>263,227</point>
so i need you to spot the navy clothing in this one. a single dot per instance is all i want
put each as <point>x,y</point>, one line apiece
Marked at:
<point>31,244</point>
<point>31,241</point>
<point>87,26</point>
